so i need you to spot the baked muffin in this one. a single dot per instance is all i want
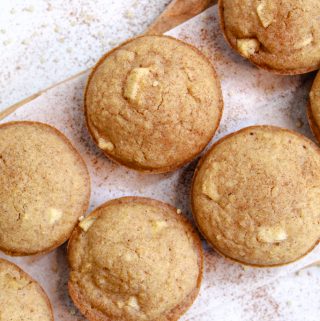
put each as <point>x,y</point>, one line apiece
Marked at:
<point>44,188</point>
<point>21,297</point>
<point>313,109</point>
<point>280,36</point>
<point>134,259</point>
<point>153,103</point>
<point>256,196</point>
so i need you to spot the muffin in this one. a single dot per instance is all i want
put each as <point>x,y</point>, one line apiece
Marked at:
<point>44,188</point>
<point>21,297</point>
<point>153,103</point>
<point>256,196</point>
<point>313,109</point>
<point>134,259</point>
<point>280,36</point>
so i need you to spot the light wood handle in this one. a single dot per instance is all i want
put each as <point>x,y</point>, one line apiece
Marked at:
<point>177,12</point>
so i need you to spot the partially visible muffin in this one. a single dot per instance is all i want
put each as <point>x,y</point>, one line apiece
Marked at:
<point>313,108</point>
<point>44,188</point>
<point>256,196</point>
<point>134,259</point>
<point>21,297</point>
<point>153,103</point>
<point>280,36</point>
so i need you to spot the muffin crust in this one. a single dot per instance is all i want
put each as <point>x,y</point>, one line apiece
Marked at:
<point>280,36</point>
<point>21,298</point>
<point>45,188</point>
<point>313,108</point>
<point>134,259</point>
<point>256,196</point>
<point>153,103</point>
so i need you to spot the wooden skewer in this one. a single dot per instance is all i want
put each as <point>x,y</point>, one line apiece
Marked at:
<point>317,263</point>
<point>177,12</point>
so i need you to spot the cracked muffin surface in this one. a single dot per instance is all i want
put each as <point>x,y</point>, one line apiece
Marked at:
<point>21,298</point>
<point>256,196</point>
<point>45,188</point>
<point>134,259</point>
<point>279,35</point>
<point>153,103</point>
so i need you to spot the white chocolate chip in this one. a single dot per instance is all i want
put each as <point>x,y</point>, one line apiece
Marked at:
<point>210,189</point>
<point>248,47</point>
<point>86,223</point>
<point>304,43</point>
<point>133,303</point>
<point>178,211</point>
<point>245,267</point>
<point>265,16</point>
<point>15,282</point>
<point>128,257</point>
<point>54,215</point>
<point>120,304</point>
<point>272,234</point>
<point>134,81</point>
<point>155,83</point>
<point>105,145</point>
<point>81,218</point>
<point>159,225</point>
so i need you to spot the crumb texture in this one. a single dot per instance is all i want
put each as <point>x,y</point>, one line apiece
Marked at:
<point>137,260</point>
<point>21,298</point>
<point>45,187</point>
<point>286,33</point>
<point>256,196</point>
<point>155,101</point>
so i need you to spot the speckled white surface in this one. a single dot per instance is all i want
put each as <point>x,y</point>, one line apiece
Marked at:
<point>251,96</point>
<point>45,41</point>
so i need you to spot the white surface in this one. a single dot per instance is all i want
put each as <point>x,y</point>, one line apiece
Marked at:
<point>233,293</point>
<point>45,41</point>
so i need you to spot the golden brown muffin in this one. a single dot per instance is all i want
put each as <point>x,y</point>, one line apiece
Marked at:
<point>153,103</point>
<point>256,196</point>
<point>282,36</point>
<point>313,109</point>
<point>21,297</point>
<point>44,188</point>
<point>134,259</point>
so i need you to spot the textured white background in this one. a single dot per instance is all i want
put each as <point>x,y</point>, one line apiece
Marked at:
<point>42,42</point>
<point>45,41</point>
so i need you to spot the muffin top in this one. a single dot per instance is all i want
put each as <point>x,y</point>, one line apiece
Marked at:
<point>134,259</point>
<point>153,103</point>
<point>314,107</point>
<point>279,35</point>
<point>256,196</point>
<point>21,298</point>
<point>44,188</point>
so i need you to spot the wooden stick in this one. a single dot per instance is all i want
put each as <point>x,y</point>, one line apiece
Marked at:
<point>317,263</point>
<point>11,109</point>
<point>177,12</point>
